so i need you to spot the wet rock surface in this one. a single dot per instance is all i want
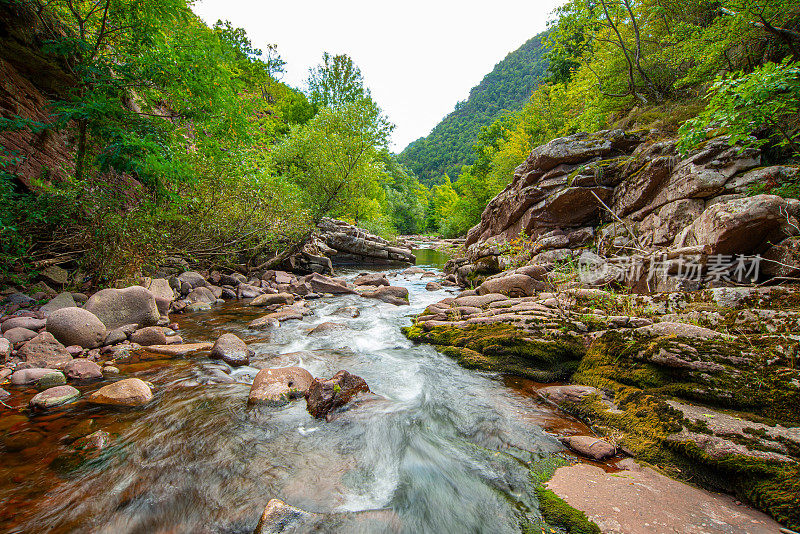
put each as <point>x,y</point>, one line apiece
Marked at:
<point>279,386</point>
<point>324,396</point>
<point>126,392</point>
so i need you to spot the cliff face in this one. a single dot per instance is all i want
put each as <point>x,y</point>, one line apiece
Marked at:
<point>629,195</point>
<point>29,80</point>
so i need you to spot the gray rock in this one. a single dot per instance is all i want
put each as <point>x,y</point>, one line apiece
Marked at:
<point>278,386</point>
<point>739,226</point>
<point>33,375</point>
<point>62,300</point>
<point>193,278</point>
<point>118,307</point>
<point>326,327</point>
<point>151,335</point>
<point>371,279</point>
<point>270,299</point>
<point>56,275</point>
<point>232,350</point>
<point>20,299</point>
<point>19,335</point>
<point>389,294</point>
<point>76,326</point>
<point>115,336</point>
<point>52,397</point>
<point>31,323</point>
<point>513,285</point>
<point>126,392</point>
<point>82,369</point>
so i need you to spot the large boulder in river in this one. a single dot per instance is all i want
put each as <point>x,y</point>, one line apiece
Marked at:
<point>118,307</point>
<point>268,299</point>
<point>278,386</point>
<point>326,327</point>
<point>76,326</point>
<point>232,350</point>
<point>45,351</point>
<point>279,517</point>
<point>127,392</point>
<point>389,294</point>
<point>324,396</point>
<point>324,284</point>
<point>371,279</point>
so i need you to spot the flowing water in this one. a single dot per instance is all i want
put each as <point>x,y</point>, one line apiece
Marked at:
<point>440,449</point>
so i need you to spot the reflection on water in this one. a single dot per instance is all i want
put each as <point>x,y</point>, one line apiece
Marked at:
<point>440,449</point>
<point>431,257</point>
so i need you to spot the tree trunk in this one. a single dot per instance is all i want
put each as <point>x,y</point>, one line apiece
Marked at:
<point>81,155</point>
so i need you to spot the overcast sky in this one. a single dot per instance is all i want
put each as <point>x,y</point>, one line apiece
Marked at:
<point>418,57</point>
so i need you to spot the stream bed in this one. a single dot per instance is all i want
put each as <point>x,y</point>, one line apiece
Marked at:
<point>441,449</point>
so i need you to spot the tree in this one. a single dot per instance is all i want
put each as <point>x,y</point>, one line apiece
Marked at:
<point>102,36</point>
<point>333,159</point>
<point>743,104</point>
<point>336,81</point>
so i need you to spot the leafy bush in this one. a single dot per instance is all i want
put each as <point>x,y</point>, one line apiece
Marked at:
<point>743,104</point>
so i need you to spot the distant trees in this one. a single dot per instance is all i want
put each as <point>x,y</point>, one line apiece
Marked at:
<point>728,66</point>
<point>504,90</point>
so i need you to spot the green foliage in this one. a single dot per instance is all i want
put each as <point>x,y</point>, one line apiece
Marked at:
<point>631,64</point>
<point>334,160</point>
<point>174,125</point>
<point>744,104</point>
<point>336,81</point>
<point>406,198</point>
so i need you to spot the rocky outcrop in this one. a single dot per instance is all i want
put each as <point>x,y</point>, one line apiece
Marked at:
<point>631,198</point>
<point>345,244</point>
<point>703,384</point>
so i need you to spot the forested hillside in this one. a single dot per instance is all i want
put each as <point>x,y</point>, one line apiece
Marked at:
<point>506,88</point>
<point>673,67</point>
<point>132,131</point>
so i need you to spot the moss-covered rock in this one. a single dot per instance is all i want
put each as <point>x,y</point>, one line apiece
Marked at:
<point>505,348</point>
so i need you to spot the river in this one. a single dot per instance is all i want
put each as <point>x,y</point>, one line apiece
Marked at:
<point>442,450</point>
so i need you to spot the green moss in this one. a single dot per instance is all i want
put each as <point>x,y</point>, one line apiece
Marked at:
<point>556,511</point>
<point>504,348</point>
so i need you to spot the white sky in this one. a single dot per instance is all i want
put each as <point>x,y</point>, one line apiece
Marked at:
<point>418,57</point>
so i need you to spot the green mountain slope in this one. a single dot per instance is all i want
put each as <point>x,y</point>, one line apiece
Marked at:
<point>506,88</point>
